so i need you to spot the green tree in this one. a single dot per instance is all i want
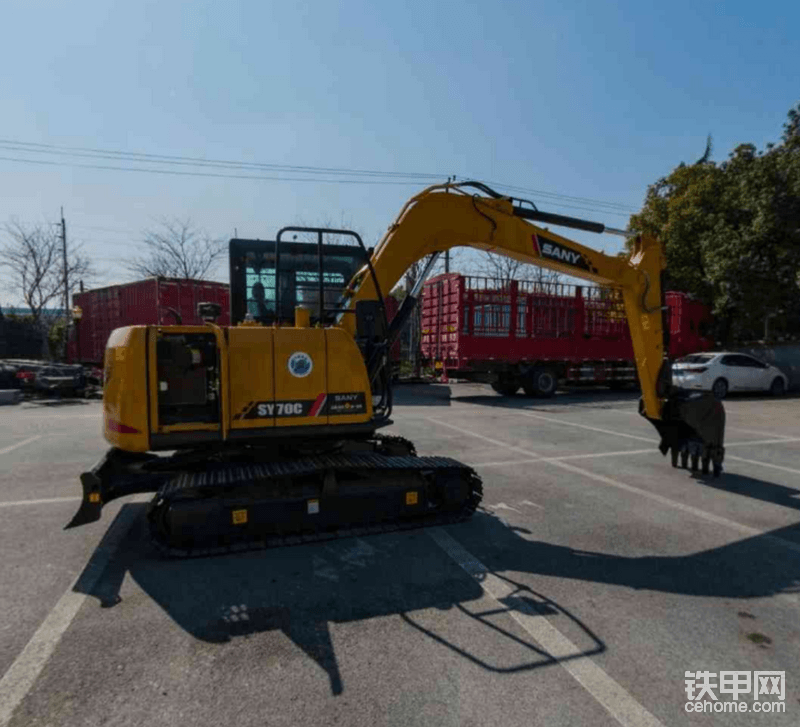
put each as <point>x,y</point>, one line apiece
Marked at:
<point>731,233</point>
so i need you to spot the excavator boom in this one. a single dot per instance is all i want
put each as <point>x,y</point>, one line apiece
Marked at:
<point>454,215</point>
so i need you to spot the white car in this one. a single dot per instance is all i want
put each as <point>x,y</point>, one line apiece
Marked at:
<point>727,371</point>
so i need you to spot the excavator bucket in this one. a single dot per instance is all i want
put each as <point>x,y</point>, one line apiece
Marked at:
<point>692,429</point>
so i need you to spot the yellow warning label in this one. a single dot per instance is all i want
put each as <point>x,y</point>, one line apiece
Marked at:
<point>412,498</point>
<point>94,497</point>
<point>239,517</point>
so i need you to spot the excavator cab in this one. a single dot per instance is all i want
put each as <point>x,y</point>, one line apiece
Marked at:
<point>269,279</point>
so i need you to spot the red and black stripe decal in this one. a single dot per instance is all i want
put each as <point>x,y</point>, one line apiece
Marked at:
<point>318,406</point>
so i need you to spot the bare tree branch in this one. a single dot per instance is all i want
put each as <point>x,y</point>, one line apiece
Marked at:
<point>507,269</point>
<point>33,256</point>
<point>177,249</point>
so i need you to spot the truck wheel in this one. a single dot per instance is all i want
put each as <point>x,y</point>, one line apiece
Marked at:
<point>505,387</point>
<point>720,389</point>
<point>541,382</point>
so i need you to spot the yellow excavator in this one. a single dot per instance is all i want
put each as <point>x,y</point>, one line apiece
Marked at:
<point>268,428</point>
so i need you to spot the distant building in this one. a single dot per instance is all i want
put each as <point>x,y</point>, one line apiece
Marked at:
<point>50,313</point>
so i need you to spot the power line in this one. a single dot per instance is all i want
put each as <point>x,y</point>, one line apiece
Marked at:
<point>200,161</point>
<point>587,200</point>
<point>266,179</point>
<point>207,174</point>
<point>116,155</point>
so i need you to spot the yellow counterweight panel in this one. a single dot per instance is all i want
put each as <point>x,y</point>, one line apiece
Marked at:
<point>125,393</point>
<point>301,381</point>
<point>349,397</point>
<point>251,367</point>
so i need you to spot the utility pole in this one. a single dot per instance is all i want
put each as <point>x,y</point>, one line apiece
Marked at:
<point>66,280</point>
<point>447,252</point>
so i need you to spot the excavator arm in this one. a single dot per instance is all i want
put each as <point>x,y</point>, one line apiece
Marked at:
<point>470,214</point>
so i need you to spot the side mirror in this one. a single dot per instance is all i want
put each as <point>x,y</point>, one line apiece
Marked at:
<point>209,312</point>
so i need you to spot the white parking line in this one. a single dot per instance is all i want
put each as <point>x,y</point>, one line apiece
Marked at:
<point>46,501</point>
<point>610,694</point>
<point>591,455</point>
<point>594,455</point>
<point>759,432</point>
<point>728,426</point>
<point>504,463</point>
<point>574,424</point>
<point>600,454</point>
<point>781,440</point>
<point>496,442</point>
<point>5,450</point>
<point>22,674</point>
<point>765,464</point>
<point>697,512</point>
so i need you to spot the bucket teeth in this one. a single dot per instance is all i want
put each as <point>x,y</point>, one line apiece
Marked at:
<point>692,429</point>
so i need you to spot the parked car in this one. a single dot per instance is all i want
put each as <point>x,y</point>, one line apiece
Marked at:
<point>727,371</point>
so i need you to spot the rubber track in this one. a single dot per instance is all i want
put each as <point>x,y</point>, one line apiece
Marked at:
<point>247,475</point>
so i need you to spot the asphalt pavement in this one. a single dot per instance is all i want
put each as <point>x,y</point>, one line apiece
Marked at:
<point>593,577</point>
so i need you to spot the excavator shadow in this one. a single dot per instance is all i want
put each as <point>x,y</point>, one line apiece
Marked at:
<point>300,591</point>
<point>752,487</point>
<point>756,567</point>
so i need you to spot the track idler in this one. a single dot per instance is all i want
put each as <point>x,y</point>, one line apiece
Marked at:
<point>692,429</point>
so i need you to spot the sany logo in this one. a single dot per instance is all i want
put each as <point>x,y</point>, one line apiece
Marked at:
<point>555,251</point>
<point>560,253</point>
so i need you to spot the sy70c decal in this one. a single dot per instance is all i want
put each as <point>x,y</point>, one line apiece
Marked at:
<point>324,404</point>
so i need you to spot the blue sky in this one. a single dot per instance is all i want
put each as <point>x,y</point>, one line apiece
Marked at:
<point>589,99</point>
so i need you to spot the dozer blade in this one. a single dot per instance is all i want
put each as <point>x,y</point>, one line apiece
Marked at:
<point>115,475</point>
<point>692,429</point>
